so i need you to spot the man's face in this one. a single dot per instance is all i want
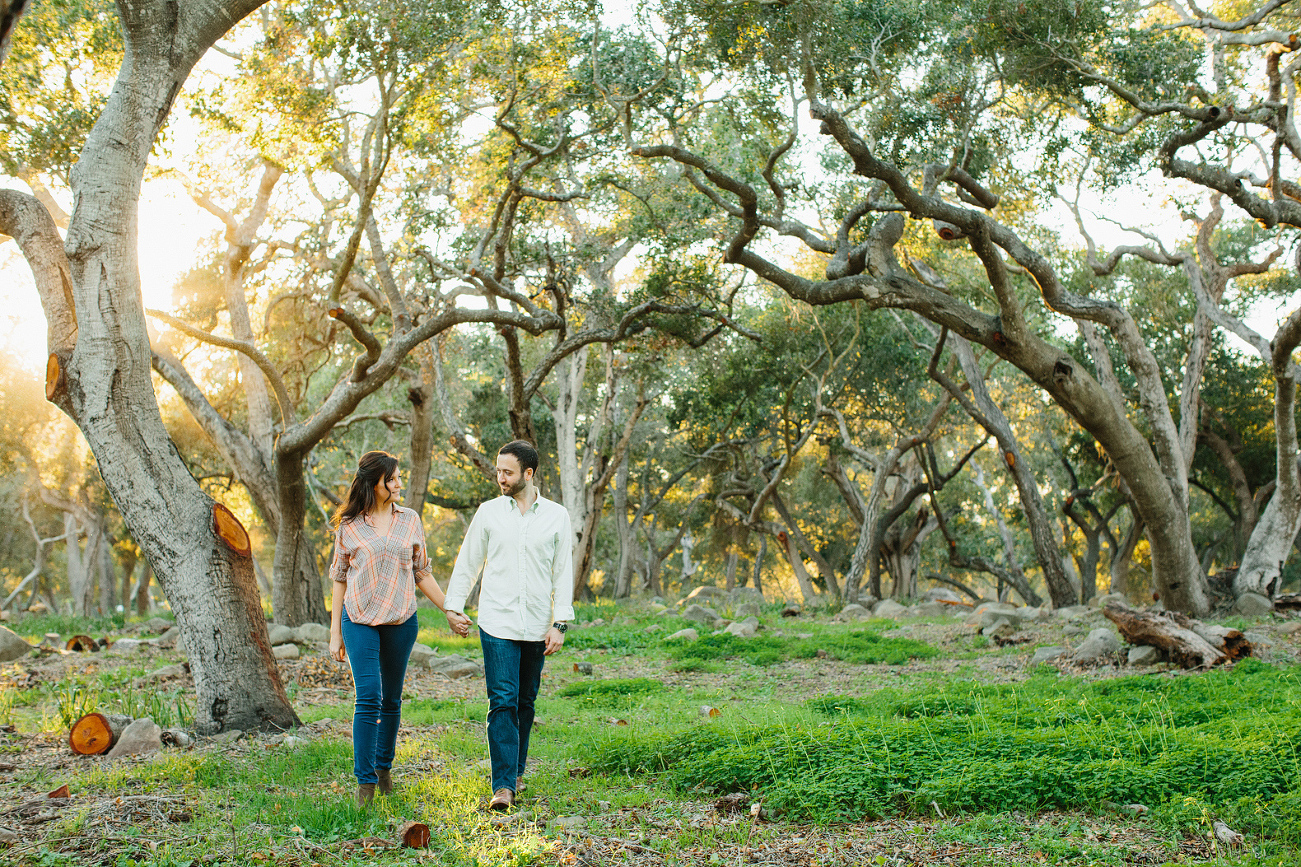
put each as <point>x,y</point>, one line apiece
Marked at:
<point>510,478</point>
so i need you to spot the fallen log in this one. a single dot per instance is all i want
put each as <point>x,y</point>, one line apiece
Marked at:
<point>1178,636</point>
<point>95,733</point>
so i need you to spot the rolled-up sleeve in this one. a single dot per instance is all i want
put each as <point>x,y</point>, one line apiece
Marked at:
<point>339,565</point>
<point>562,573</point>
<point>420,560</point>
<point>469,560</point>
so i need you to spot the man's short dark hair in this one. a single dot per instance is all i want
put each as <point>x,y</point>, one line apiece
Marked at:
<point>523,452</point>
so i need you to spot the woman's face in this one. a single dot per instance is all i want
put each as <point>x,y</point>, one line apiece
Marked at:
<point>386,491</point>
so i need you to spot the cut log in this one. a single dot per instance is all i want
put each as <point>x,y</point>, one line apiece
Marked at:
<point>95,733</point>
<point>54,378</point>
<point>1172,634</point>
<point>82,644</point>
<point>414,835</point>
<point>230,530</point>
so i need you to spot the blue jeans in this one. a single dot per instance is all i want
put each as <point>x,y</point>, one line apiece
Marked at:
<point>378,656</point>
<point>512,671</point>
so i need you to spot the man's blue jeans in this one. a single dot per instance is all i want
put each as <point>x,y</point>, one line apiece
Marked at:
<point>378,655</point>
<point>512,671</point>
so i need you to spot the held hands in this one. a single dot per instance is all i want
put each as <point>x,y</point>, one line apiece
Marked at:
<point>459,623</point>
<point>555,639</point>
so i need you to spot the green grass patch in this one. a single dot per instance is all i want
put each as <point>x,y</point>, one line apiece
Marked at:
<point>611,692</point>
<point>763,650</point>
<point>1044,743</point>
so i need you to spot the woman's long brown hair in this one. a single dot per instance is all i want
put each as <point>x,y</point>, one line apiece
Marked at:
<point>373,468</point>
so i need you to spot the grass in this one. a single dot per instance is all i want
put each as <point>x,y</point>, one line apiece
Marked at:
<point>1025,772</point>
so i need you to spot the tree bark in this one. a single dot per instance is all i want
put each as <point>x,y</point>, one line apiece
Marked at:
<point>102,376</point>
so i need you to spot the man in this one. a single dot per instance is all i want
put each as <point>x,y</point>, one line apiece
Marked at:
<point>522,541</point>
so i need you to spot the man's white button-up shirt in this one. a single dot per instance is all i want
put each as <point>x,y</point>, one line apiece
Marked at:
<point>527,563</point>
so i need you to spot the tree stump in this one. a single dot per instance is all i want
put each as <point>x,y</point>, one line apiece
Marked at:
<point>414,835</point>
<point>95,733</point>
<point>1176,636</point>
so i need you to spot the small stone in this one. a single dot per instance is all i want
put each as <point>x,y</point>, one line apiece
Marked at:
<point>658,600</point>
<point>853,611</point>
<point>1291,628</point>
<point>157,625</point>
<point>164,673</point>
<point>705,595</point>
<point>312,633</point>
<point>741,595</point>
<point>747,609</point>
<point>420,653</point>
<point>1253,605</point>
<point>700,614</point>
<point>600,621</point>
<point>987,612</point>
<point>1100,646</point>
<point>227,737</point>
<point>285,651</point>
<point>568,824</point>
<point>454,667</point>
<point>124,645</point>
<point>1070,630</point>
<point>743,628</point>
<point>141,737</point>
<point>687,634</point>
<point>943,594</point>
<point>998,626</point>
<point>654,627</point>
<point>888,609</point>
<point>292,741</point>
<point>1048,654</point>
<point>804,636</point>
<point>1107,598</point>
<point>1258,639</point>
<point>1144,655</point>
<point>791,611</point>
<point>1071,612</point>
<point>279,634</point>
<point>583,667</point>
<point>523,817</point>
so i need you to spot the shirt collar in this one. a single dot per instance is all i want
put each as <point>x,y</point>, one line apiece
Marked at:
<point>510,503</point>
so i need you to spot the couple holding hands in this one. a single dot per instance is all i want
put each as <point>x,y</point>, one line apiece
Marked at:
<point>522,543</point>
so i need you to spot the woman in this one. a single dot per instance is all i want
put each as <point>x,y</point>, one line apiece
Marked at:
<point>379,559</point>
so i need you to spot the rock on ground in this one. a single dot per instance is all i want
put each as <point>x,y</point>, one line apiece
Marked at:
<point>701,614</point>
<point>744,628</point>
<point>421,653</point>
<point>888,609</point>
<point>1101,644</point>
<point>740,595</point>
<point>12,645</point>
<point>279,634</point>
<point>747,609</point>
<point>285,651</point>
<point>703,595</point>
<point>853,611</point>
<point>1106,599</point>
<point>1048,654</point>
<point>1253,605</point>
<point>141,737</point>
<point>312,633</point>
<point>455,667</point>
<point>1144,655</point>
<point>689,634</point>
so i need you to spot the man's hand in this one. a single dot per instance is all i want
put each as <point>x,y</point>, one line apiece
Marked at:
<point>337,650</point>
<point>555,639</point>
<point>459,623</point>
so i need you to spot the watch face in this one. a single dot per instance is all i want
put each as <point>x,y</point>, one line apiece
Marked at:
<point>562,627</point>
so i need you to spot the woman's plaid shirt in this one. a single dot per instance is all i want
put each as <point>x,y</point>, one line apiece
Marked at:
<point>381,572</point>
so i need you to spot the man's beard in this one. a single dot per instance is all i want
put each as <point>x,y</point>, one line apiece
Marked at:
<point>512,490</point>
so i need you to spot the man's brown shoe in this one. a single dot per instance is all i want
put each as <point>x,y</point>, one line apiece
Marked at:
<point>501,800</point>
<point>385,784</point>
<point>520,785</point>
<point>365,794</point>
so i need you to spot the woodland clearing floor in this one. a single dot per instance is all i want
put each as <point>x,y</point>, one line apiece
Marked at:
<point>130,813</point>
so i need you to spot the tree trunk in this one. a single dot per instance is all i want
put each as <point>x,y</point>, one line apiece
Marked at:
<point>807,548</point>
<point>295,602</point>
<point>622,524</point>
<point>423,407</point>
<point>99,370</point>
<point>1122,558</point>
<point>1271,541</point>
<point>757,575</point>
<point>143,598</point>
<point>80,587</point>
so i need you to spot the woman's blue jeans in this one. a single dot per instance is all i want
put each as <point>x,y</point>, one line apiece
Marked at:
<point>512,671</point>
<point>378,656</point>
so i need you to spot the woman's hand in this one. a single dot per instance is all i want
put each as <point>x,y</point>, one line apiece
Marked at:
<point>459,623</point>
<point>337,650</point>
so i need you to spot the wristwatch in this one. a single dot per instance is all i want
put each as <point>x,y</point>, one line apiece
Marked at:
<point>560,626</point>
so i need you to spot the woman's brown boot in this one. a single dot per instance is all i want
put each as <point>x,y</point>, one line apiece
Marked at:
<point>385,784</point>
<point>365,794</point>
